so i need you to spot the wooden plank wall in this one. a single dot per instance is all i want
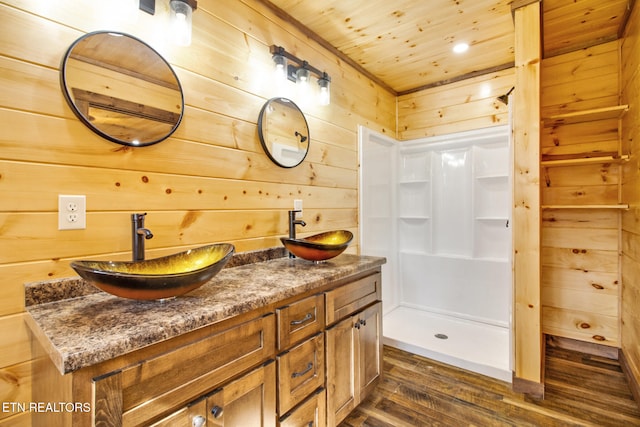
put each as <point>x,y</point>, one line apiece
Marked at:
<point>456,107</point>
<point>630,82</point>
<point>580,261</point>
<point>210,182</point>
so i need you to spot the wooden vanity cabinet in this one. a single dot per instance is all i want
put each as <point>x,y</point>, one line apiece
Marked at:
<point>306,361</point>
<point>163,380</point>
<point>354,345</point>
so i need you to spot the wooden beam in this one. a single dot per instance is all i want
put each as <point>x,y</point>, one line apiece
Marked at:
<point>458,78</point>
<point>517,4</point>
<point>528,340</point>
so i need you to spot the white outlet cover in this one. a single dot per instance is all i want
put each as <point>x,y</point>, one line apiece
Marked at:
<point>72,212</point>
<point>297,206</point>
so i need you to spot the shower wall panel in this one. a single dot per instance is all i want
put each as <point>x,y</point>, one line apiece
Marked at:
<point>454,235</point>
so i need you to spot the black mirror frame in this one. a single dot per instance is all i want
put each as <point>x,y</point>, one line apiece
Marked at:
<point>262,136</point>
<point>83,119</point>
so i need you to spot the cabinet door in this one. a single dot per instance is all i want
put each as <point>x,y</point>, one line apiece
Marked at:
<point>247,401</point>
<point>341,372</point>
<point>369,347</point>
<point>354,356</point>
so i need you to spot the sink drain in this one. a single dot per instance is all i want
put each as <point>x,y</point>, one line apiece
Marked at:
<point>441,336</point>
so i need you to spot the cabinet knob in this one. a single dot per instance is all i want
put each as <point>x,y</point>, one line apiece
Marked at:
<point>216,411</point>
<point>198,421</point>
<point>363,322</point>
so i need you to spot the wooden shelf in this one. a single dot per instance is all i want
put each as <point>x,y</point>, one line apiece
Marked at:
<point>586,116</point>
<point>621,206</point>
<point>584,161</point>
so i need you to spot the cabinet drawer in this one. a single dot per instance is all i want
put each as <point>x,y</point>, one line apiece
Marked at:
<point>347,299</point>
<point>188,416</point>
<point>300,320</point>
<point>162,383</point>
<point>300,372</point>
<point>311,413</point>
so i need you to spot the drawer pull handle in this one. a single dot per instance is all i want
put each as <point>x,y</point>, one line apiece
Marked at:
<point>216,411</point>
<point>308,316</point>
<point>299,374</point>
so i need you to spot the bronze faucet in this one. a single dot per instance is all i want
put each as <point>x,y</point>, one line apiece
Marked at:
<point>292,226</point>
<point>138,235</point>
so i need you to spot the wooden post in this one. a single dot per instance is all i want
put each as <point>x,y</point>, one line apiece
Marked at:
<point>528,344</point>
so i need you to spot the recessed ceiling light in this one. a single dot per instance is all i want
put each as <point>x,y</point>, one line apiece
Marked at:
<point>460,47</point>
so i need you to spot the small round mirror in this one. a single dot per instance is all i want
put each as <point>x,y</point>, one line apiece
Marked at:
<point>284,133</point>
<point>121,88</point>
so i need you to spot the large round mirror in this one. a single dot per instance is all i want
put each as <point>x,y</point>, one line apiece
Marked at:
<point>284,132</point>
<point>121,88</point>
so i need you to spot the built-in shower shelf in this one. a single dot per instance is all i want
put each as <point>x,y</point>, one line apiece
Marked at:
<point>497,176</point>
<point>595,114</point>
<point>414,181</point>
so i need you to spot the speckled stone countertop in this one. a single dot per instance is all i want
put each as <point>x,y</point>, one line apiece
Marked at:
<point>82,326</point>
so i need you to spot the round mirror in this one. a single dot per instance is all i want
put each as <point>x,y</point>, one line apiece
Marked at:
<point>121,88</point>
<point>284,132</point>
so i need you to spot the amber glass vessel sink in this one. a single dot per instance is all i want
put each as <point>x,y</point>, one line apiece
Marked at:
<point>319,247</point>
<point>157,278</point>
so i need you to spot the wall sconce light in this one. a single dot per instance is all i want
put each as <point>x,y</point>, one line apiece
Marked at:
<point>300,72</point>
<point>180,18</point>
<point>280,66</point>
<point>325,89</point>
<point>148,6</point>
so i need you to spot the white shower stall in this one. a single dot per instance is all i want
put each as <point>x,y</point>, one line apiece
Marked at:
<point>438,209</point>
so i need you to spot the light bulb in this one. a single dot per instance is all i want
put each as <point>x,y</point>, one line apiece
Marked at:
<point>324,97</point>
<point>181,15</point>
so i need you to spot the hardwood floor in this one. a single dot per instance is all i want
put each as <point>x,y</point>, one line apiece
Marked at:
<point>580,390</point>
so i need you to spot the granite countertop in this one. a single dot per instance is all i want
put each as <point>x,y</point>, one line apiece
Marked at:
<point>86,326</point>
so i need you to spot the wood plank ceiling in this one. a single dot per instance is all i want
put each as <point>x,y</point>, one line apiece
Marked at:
<point>406,45</point>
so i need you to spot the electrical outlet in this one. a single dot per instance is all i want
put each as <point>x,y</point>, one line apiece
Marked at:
<point>72,212</point>
<point>297,206</point>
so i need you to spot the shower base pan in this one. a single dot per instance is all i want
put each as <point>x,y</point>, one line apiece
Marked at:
<point>475,346</point>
